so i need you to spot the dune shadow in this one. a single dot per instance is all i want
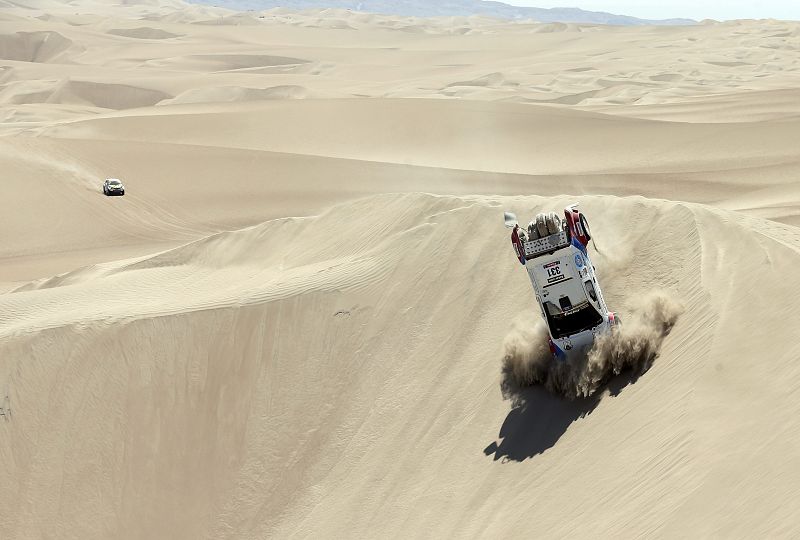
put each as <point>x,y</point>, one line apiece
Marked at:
<point>539,418</point>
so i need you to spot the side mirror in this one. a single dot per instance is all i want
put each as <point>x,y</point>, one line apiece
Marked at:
<point>510,219</point>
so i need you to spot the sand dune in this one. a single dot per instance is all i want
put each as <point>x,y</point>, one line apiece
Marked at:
<point>238,295</point>
<point>230,62</point>
<point>96,94</point>
<point>612,70</point>
<point>227,94</point>
<point>143,32</point>
<point>304,319</point>
<point>108,96</point>
<point>521,139</point>
<point>33,46</point>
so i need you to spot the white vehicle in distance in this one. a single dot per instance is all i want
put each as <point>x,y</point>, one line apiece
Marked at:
<point>554,252</point>
<point>112,186</point>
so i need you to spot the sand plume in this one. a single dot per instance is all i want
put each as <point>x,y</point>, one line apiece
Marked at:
<point>632,346</point>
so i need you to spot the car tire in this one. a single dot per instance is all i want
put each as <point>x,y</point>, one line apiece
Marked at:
<point>553,223</point>
<point>541,225</point>
<point>617,323</point>
<point>533,233</point>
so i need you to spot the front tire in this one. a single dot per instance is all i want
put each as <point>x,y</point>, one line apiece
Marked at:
<point>617,322</point>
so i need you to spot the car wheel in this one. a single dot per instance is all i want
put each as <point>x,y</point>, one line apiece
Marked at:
<point>533,232</point>
<point>553,223</point>
<point>541,225</point>
<point>617,322</point>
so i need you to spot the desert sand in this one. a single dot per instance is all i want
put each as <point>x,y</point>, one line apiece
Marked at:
<point>294,323</point>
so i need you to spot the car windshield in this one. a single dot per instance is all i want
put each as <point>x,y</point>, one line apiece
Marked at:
<point>114,183</point>
<point>566,323</point>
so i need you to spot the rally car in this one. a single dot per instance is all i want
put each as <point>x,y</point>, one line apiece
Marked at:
<point>112,186</point>
<point>555,254</point>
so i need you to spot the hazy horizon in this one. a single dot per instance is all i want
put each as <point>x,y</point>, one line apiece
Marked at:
<point>651,9</point>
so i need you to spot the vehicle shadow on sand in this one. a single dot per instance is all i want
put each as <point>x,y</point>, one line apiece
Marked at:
<point>539,419</point>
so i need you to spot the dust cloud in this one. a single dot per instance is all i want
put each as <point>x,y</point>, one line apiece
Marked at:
<point>633,345</point>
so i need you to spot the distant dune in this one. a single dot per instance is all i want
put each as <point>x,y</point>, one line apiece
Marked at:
<point>227,94</point>
<point>143,32</point>
<point>33,46</point>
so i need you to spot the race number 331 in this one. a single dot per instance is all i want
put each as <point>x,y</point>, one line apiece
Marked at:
<point>553,271</point>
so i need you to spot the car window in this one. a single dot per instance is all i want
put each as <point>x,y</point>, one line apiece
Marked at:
<point>581,318</point>
<point>590,291</point>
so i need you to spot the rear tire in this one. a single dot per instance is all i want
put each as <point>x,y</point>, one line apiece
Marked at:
<point>553,223</point>
<point>541,225</point>
<point>533,233</point>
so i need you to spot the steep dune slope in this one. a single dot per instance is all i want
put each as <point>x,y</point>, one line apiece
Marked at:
<point>268,381</point>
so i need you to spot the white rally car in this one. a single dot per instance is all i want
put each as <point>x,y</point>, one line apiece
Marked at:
<point>555,254</point>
